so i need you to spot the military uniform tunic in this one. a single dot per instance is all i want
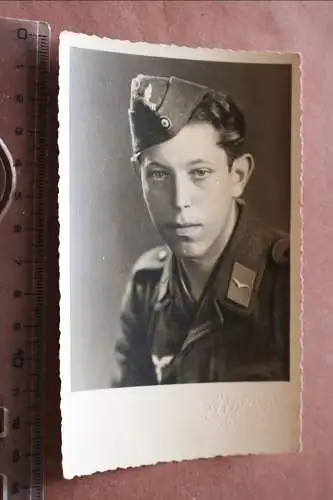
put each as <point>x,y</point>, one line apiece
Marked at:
<point>238,331</point>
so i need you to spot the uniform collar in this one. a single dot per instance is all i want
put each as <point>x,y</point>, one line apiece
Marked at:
<point>237,274</point>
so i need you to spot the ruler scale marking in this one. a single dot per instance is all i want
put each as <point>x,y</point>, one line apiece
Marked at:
<point>24,60</point>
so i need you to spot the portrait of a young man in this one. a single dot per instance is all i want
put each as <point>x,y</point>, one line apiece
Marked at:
<point>179,252</point>
<point>213,303</point>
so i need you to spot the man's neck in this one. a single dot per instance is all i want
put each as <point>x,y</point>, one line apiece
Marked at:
<point>198,270</point>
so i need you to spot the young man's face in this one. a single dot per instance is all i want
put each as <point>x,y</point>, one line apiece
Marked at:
<point>190,191</point>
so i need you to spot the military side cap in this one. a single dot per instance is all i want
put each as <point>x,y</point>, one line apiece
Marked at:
<point>160,107</point>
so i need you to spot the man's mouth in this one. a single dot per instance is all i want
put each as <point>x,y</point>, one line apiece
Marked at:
<point>186,229</point>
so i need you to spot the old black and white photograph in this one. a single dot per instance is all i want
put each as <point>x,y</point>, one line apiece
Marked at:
<point>179,219</point>
<point>212,304</point>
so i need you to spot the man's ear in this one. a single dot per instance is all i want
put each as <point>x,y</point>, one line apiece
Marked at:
<point>241,171</point>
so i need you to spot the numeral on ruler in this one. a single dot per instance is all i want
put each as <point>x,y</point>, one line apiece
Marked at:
<point>24,50</point>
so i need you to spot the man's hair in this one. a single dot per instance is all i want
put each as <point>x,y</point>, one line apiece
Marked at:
<point>227,118</point>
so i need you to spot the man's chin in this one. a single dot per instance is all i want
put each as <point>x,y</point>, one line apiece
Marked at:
<point>187,250</point>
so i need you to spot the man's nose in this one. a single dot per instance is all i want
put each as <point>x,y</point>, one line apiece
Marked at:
<point>181,193</point>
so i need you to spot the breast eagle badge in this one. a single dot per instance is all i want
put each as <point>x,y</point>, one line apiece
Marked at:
<point>160,364</point>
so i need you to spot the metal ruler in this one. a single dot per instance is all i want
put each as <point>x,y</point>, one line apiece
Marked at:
<point>24,72</point>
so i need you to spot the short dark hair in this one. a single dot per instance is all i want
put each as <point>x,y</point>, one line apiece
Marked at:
<point>227,118</point>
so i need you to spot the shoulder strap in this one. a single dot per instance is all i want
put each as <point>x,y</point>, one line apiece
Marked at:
<point>152,260</point>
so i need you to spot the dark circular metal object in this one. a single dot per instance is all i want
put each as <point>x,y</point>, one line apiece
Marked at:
<point>7,178</point>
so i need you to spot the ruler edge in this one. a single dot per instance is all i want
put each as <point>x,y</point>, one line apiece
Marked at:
<point>39,331</point>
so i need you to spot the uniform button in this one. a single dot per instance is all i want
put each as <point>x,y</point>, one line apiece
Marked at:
<point>162,255</point>
<point>280,251</point>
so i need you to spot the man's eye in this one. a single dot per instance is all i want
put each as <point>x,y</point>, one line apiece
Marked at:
<point>158,174</point>
<point>201,173</point>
